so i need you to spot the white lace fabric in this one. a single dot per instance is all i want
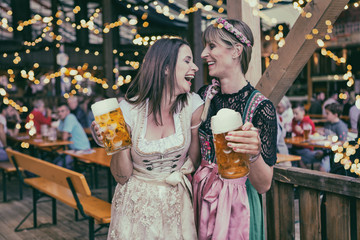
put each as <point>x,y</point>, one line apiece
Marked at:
<point>148,208</point>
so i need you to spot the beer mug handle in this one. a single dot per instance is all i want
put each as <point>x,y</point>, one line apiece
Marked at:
<point>93,133</point>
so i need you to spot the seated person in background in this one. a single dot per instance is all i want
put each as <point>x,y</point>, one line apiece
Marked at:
<point>334,124</point>
<point>316,104</point>
<point>79,113</point>
<point>285,113</point>
<point>70,129</point>
<point>346,101</point>
<point>354,114</point>
<point>90,115</point>
<point>3,130</point>
<point>39,115</point>
<point>13,120</point>
<point>333,98</point>
<point>280,144</point>
<point>308,155</point>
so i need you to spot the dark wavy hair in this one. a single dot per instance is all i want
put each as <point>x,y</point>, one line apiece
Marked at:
<point>334,108</point>
<point>151,82</point>
<point>212,33</point>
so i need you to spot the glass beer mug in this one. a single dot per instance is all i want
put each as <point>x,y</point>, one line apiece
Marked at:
<point>230,164</point>
<point>112,126</point>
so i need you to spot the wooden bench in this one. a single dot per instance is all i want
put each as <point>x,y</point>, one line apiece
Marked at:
<point>6,169</point>
<point>64,185</point>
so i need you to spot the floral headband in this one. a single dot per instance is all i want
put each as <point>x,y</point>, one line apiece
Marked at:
<point>220,22</point>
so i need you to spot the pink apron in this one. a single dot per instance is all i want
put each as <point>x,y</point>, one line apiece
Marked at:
<point>221,205</point>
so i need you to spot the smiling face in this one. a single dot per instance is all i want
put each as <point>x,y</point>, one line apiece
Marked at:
<point>185,70</point>
<point>219,58</point>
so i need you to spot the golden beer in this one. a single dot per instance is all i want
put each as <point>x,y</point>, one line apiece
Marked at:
<point>306,134</point>
<point>45,138</point>
<point>307,129</point>
<point>115,135</point>
<point>230,164</point>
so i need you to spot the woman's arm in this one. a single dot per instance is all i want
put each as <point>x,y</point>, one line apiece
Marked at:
<point>121,166</point>
<point>260,175</point>
<point>194,150</point>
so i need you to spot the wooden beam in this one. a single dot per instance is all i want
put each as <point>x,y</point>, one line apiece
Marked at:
<point>281,73</point>
<point>241,10</point>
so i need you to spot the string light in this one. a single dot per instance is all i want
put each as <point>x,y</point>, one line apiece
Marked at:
<point>343,154</point>
<point>8,101</point>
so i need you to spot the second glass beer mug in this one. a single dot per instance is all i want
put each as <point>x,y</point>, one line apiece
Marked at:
<point>230,164</point>
<point>112,125</point>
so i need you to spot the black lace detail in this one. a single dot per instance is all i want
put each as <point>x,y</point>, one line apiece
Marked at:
<point>264,119</point>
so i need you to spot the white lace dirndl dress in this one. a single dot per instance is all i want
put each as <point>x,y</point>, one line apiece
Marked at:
<point>156,201</point>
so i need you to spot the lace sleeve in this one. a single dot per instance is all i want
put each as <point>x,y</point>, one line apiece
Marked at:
<point>126,110</point>
<point>265,120</point>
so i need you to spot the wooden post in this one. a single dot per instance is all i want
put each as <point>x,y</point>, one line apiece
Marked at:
<point>309,83</point>
<point>281,73</point>
<point>241,10</point>
<point>108,45</point>
<point>82,35</point>
<point>54,9</point>
<point>337,219</point>
<point>21,12</point>
<point>194,38</point>
<point>310,215</point>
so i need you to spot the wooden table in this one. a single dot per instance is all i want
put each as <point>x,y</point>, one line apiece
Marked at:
<point>97,156</point>
<point>53,145</point>
<point>300,142</point>
<point>287,158</point>
<point>40,148</point>
<point>39,142</point>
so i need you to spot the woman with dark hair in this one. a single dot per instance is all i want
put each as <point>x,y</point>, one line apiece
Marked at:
<point>152,199</point>
<point>231,208</point>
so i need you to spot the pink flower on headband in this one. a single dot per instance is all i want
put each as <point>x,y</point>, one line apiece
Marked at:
<point>230,28</point>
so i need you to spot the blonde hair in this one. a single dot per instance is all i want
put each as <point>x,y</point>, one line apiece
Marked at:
<point>213,33</point>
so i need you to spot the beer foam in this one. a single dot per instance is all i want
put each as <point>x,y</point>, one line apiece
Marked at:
<point>104,106</point>
<point>225,120</point>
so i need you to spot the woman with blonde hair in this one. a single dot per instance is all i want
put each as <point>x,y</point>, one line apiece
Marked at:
<point>231,208</point>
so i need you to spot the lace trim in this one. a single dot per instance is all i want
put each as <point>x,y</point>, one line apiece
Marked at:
<point>142,116</point>
<point>141,209</point>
